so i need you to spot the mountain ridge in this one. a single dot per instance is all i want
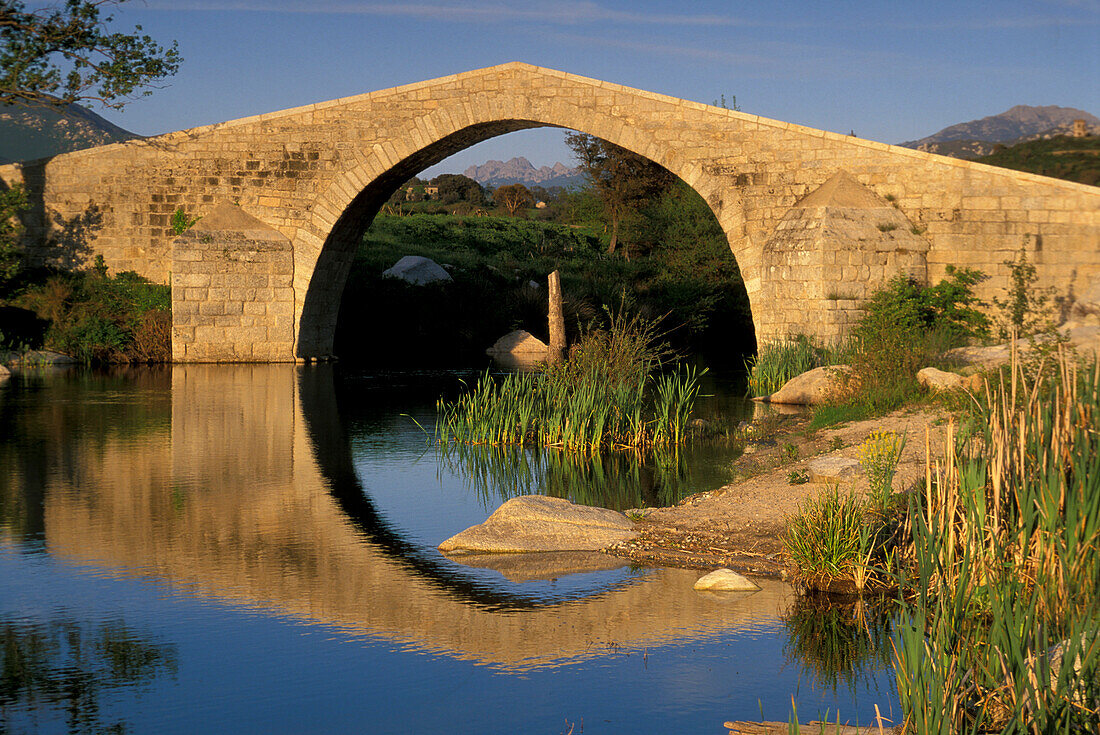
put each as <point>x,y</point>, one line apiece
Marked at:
<point>27,133</point>
<point>1017,124</point>
<point>519,170</point>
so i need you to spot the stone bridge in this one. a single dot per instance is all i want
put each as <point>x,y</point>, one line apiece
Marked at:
<point>814,219</point>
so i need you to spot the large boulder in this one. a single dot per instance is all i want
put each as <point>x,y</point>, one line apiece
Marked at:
<point>939,380</point>
<point>4,374</point>
<point>542,523</point>
<point>816,386</point>
<point>833,469</point>
<point>417,270</point>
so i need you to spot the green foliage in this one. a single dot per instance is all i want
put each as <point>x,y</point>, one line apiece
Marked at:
<point>96,318</point>
<point>621,179</point>
<point>56,55</point>
<point>1006,566</point>
<point>181,223</point>
<point>1026,310</point>
<point>607,395</point>
<point>513,198</point>
<point>13,202</point>
<point>907,326</point>
<point>1063,157</point>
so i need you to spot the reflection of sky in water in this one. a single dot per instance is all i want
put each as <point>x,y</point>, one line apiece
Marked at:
<point>254,670</point>
<point>296,658</point>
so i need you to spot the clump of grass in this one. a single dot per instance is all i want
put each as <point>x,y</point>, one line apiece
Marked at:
<point>777,362</point>
<point>887,226</point>
<point>1006,552</point>
<point>841,543</point>
<point>824,539</point>
<point>609,394</point>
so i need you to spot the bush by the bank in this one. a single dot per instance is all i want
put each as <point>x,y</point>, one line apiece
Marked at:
<point>94,317</point>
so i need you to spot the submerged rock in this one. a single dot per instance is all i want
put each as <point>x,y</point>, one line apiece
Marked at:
<point>417,270</point>
<point>542,523</point>
<point>815,386</point>
<point>725,580</point>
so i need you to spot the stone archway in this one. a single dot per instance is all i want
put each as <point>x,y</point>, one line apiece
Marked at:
<point>316,174</point>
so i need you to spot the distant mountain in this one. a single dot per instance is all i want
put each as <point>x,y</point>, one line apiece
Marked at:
<point>520,171</point>
<point>1018,124</point>
<point>37,132</point>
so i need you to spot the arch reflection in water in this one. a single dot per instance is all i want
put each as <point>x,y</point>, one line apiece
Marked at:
<point>252,497</point>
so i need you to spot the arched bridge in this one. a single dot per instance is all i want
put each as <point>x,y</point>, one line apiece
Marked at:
<point>814,219</point>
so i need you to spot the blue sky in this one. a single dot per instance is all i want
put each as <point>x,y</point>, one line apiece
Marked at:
<point>889,71</point>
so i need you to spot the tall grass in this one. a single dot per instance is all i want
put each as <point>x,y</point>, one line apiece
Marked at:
<point>777,362</point>
<point>1006,545</point>
<point>609,394</point>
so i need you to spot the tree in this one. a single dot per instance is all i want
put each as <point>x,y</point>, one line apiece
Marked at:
<point>622,179</point>
<point>58,55</point>
<point>513,197</point>
<point>12,202</point>
<point>454,188</point>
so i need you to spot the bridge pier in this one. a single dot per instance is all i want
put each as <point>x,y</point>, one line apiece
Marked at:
<point>232,293</point>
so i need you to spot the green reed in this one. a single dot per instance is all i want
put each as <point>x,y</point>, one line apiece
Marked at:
<point>587,414</point>
<point>609,394</point>
<point>617,480</point>
<point>1006,553</point>
<point>777,362</point>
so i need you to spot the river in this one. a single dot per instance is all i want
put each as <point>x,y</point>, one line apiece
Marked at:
<point>251,548</point>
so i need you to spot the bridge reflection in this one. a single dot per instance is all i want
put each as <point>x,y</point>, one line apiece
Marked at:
<point>247,492</point>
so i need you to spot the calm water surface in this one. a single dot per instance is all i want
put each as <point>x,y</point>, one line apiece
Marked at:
<point>252,549</point>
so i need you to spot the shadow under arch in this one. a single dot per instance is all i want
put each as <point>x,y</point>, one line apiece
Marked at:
<point>321,302</point>
<point>317,385</point>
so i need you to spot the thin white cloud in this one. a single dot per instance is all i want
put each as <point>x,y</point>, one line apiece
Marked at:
<point>568,13</point>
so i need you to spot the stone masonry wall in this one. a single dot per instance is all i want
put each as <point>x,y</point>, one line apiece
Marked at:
<point>318,173</point>
<point>231,297</point>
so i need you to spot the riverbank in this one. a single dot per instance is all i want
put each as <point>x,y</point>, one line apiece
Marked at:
<point>741,525</point>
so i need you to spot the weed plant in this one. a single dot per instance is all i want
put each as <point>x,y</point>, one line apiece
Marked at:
<point>1001,625</point>
<point>879,456</point>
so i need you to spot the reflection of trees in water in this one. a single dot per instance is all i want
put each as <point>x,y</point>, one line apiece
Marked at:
<point>618,480</point>
<point>839,642</point>
<point>69,667</point>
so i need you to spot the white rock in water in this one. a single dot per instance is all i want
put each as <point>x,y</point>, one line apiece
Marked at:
<point>417,270</point>
<point>725,580</point>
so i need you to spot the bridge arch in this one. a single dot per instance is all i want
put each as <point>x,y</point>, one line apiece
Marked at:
<point>301,184</point>
<point>343,212</point>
